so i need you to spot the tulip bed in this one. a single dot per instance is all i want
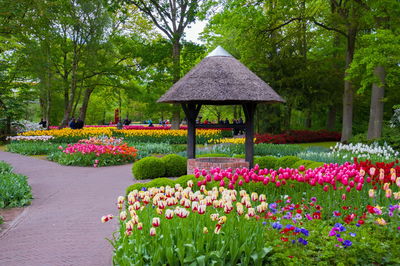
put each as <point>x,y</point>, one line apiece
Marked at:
<point>67,135</point>
<point>95,152</point>
<point>334,214</point>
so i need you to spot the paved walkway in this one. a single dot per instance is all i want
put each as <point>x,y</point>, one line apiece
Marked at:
<point>62,226</point>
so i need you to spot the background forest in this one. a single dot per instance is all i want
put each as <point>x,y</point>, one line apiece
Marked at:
<point>335,62</point>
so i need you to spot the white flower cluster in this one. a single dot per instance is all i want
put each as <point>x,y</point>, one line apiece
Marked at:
<point>25,125</point>
<point>365,150</point>
<point>30,138</point>
<point>395,121</point>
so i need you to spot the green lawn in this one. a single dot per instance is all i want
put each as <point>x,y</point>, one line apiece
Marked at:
<point>327,144</point>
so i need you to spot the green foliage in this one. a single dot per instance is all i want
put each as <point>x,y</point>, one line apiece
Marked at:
<point>287,161</point>
<point>148,168</point>
<point>33,147</point>
<point>14,188</point>
<point>306,163</point>
<point>175,165</point>
<point>380,48</point>
<point>5,168</point>
<point>161,182</point>
<point>147,149</point>
<point>268,162</point>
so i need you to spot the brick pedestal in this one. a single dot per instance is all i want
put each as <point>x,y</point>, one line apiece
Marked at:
<point>212,162</point>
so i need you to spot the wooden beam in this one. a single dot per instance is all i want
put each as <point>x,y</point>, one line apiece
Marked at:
<point>191,112</point>
<point>249,110</point>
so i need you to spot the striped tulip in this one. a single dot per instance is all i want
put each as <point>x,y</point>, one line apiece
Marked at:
<point>202,209</point>
<point>106,218</point>
<point>139,226</point>
<point>156,222</point>
<point>121,199</point>
<point>122,216</point>
<point>250,212</point>
<point>152,231</point>
<point>169,214</point>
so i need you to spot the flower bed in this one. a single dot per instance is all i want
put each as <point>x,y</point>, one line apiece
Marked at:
<point>68,135</point>
<point>82,154</point>
<point>298,136</point>
<point>296,222</point>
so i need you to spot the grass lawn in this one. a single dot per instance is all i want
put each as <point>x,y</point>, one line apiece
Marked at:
<point>327,144</point>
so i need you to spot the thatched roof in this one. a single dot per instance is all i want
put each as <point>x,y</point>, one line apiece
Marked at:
<point>220,79</point>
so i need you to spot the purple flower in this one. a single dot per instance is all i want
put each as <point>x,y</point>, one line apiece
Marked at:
<point>144,189</point>
<point>340,239</point>
<point>304,232</point>
<point>352,234</point>
<point>314,199</point>
<point>347,243</point>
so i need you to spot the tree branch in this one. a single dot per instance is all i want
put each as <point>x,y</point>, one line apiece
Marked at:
<point>329,28</point>
<point>282,25</point>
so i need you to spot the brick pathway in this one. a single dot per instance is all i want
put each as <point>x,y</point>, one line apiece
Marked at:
<point>62,226</point>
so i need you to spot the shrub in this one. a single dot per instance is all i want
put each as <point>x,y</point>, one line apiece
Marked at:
<point>5,168</point>
<point>268,162</point>
<point>184,179</point>
<point>305,163</point>
<point>315,165</point>
<point>286,161</point>
<point>241,156</point>
<point>14,188</point>
<point>161,182</point>
<point>175,165</point>
<point>148,168</point>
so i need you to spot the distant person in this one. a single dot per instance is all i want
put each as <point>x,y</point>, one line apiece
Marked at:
<point>127,122</point>
<point>227,121</point>
<point>151,123</point>
<point>72,123</point>
<point>79,124</point>
<point>120,125</point>
<point>206,121</point>
<point>240,122</point>
<point>43,123</point>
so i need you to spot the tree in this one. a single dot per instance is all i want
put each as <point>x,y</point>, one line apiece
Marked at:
<point>171,17</point>
<point>376,64</point>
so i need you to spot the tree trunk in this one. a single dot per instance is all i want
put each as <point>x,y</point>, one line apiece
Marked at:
<point>376,110</point>
<point>85,103</point>
<point>288,117</point>
<point>331,119</point>
<point>308,121</point>
<point>347,125</point>
<point>71,96</point>
<point>176,56</point>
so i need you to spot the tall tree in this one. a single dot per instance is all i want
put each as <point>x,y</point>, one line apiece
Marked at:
<point>171,17</point>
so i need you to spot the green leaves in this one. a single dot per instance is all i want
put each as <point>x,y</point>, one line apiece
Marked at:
<point>14,188</point>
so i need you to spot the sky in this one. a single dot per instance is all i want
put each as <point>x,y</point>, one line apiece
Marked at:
<point>192,33</point>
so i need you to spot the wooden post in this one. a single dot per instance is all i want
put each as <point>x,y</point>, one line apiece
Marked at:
<point>191,112</point>
<point>249,110</point>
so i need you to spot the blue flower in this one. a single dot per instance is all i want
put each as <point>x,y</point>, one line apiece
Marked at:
<point>305,232</point>
<point>277,226</point>
<point>272,206</point>
<point>352,234</point>
<point>143,189</point>
<point>347,243</point>
<point>264,223</point>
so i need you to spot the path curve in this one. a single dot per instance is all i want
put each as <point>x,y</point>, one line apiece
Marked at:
<point>62,226</point>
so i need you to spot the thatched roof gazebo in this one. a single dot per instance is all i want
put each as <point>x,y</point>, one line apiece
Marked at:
<point>220,79</point>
